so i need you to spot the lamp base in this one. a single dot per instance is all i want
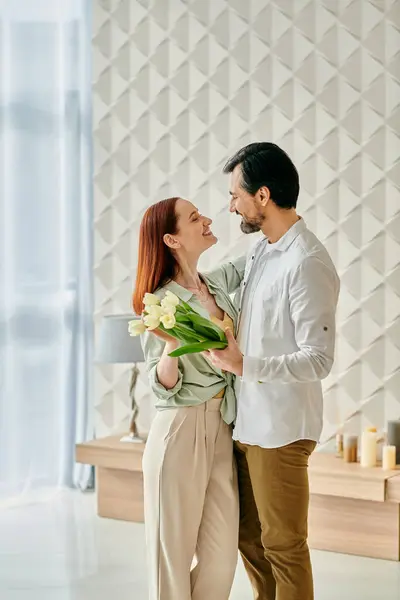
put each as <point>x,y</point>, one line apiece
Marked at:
<point>133,439</point>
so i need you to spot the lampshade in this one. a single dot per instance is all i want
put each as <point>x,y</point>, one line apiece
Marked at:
<point>115,345</point>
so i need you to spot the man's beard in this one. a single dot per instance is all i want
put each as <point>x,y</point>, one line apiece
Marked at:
<point>252,226</point>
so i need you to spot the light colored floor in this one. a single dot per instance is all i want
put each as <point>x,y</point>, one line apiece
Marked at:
<point>62,551</point>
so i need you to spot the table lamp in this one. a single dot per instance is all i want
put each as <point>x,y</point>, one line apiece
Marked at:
<point>117,346</point>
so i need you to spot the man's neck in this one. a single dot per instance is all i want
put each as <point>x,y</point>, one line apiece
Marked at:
<point>274,228</point>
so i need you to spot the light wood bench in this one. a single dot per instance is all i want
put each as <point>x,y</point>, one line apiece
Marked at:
<point>352,510</point>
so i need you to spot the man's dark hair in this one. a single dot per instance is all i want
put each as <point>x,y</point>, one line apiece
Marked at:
<point>265,164</point>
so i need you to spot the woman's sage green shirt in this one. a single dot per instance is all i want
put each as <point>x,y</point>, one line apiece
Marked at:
<point>198,380</point>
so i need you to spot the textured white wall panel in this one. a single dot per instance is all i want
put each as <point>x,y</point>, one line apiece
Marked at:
<point>179,85</point>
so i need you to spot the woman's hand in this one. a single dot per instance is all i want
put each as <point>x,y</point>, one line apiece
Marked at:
<point>172,342</point>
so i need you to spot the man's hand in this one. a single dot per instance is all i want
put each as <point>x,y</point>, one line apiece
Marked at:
<point>230,359</point>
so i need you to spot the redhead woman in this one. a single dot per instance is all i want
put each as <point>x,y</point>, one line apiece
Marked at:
<point>190,487</point>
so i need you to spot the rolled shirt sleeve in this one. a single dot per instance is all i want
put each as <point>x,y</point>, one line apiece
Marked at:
<point>153,347</point>
<point>230,274</point>
<point>313,297</point>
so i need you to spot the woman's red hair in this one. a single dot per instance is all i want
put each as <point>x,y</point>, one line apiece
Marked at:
<point>156,263</point>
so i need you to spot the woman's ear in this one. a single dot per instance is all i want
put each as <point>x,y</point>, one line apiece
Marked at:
<point>171,242</point>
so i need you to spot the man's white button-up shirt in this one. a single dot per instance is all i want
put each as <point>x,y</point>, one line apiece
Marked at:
<point>286,333</point>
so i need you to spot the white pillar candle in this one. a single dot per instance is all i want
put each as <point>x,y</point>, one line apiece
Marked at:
<point>389,458</point>
<point>368,449</point>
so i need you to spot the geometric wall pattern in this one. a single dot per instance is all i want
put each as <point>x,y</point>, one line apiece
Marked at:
<point>179,85</point>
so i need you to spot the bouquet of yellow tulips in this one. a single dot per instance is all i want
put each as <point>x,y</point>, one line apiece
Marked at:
<point>175,317</point>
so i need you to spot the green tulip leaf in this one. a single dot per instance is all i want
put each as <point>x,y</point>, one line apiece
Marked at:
<point>199,347</point>
<point>215,332</point>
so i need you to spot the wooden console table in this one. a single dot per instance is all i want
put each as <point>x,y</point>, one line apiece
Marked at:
<point>354,510</point>
<point>119,479</point>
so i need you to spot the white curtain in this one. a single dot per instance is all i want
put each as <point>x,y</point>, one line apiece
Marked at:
<point>45,245</point>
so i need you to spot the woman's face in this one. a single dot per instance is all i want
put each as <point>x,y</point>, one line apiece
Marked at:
<point>194,235</point>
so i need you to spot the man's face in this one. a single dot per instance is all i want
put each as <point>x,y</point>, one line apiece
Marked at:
<point>244,204</point>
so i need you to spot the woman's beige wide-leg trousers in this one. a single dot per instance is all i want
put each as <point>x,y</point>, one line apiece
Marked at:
<point>191,504</point>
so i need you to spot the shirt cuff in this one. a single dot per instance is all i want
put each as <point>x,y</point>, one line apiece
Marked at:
<point>160,391</point>
<point>251,369</point>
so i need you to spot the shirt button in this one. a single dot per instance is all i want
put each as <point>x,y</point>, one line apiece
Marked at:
<point>252,258</point>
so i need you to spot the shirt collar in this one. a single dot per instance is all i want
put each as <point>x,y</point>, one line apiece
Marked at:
<point>178,290</point>
<point>286,240</point>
